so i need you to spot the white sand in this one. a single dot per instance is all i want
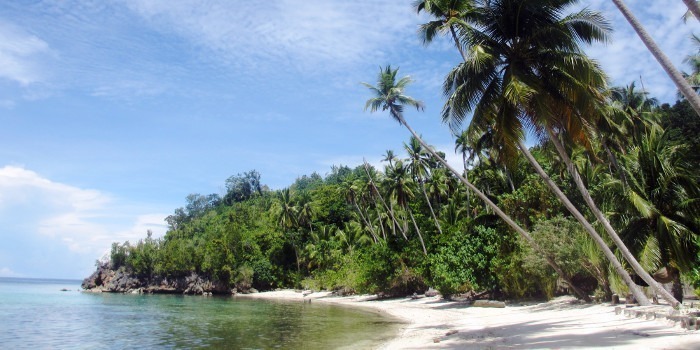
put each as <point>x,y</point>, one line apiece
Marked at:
<point>558,324</point>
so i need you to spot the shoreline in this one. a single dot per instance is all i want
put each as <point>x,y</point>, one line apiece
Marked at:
<point>434,323</point>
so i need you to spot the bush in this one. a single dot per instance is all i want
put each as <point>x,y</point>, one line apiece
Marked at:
<point>377,267</point>
<point>244,278</point>
<point>464,263</point>
<point>564,240</point>
<point>694,280</point>
<point>118,255</point>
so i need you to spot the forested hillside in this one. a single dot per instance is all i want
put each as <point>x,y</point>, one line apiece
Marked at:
<point>412,224</point>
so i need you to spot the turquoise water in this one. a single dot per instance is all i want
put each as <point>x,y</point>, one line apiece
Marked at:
<point>36,314</point>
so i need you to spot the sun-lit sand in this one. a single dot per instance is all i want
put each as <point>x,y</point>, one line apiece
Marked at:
<point>563,323</point>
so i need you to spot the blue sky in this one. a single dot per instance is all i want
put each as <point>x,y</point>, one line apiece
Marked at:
<point>113,111</point>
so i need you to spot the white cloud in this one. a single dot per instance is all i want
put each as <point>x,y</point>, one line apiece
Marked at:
<point>626,59</point>
<point>84,220</point>
<point>7,272</point>
<point>18,54</point>
<point>7,104</point>
<point>309,36</point>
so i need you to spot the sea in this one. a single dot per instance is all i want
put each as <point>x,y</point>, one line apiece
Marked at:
<point>56,314</point>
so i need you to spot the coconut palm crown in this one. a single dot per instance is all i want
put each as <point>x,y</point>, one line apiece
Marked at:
<point>525,69</point>
<point>389,94</point>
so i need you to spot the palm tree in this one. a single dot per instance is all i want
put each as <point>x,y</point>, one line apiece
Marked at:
<point>389,95</point>
<point>399,187</point>
<point>305,215</point>
<point>437,186</point>
<point>389,156</point>
<point>525,69</point>
<point>376,193</point>
<point>665,62</point>
<point>287,216</point>
<point>287,219</point>
<point>463,145</point>
<point>352,190</point>
<point>635,106</point>
<point>419,163</point>
<point>662,197</point>
<point>448,18</point>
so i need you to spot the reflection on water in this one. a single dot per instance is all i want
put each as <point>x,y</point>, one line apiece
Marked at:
<point>37,314</point>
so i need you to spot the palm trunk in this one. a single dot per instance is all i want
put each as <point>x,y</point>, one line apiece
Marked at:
<point>665,62</point>
<point>388,208</point>
<point>381,223</point>
<point>616,164</point>
<point>524,234</point>
<point>459,47</point>
<point>634,289</point>
<point>430,206</point>
<point>369,226</point>
<point>606,224</point>
<point>693,7</point>
<point>420,237</point>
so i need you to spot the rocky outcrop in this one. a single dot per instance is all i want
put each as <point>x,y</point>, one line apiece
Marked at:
<point>105,279</point>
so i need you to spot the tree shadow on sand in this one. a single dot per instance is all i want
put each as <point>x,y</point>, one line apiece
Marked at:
<point>554,333</point>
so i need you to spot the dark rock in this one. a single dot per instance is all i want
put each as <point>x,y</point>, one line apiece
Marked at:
<point>122,281</point>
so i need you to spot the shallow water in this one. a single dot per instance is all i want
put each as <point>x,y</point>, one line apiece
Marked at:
<point>37,314</point>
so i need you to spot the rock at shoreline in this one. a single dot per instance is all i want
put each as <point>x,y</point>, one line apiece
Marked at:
<point>105,279</point>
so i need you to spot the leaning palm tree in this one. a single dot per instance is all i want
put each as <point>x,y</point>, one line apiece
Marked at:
<point>352,190</point>
<point>389,95</point>
<point>388,207</point>
<point>399,187</point>
<point>419,164</point>
<point>693,8</point>
<point>660,56</point>
<point>525,69</point>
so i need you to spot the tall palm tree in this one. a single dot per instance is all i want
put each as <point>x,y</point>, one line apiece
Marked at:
<point>419,164</point>
<point>525,69</point>
<point>389,95</point>
<point>660,56</point>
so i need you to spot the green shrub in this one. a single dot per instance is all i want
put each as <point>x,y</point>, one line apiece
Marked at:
<point>464,262</point>
<point>377,267</point>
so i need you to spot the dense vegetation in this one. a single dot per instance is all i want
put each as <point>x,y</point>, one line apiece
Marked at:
<point>617,197</point>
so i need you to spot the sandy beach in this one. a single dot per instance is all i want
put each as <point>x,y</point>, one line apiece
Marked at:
<point>563,323</point>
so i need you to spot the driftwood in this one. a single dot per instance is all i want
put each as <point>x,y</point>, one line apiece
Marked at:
<point>489,303</point>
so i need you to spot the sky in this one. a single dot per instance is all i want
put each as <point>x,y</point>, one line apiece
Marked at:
<point>113,111</point>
